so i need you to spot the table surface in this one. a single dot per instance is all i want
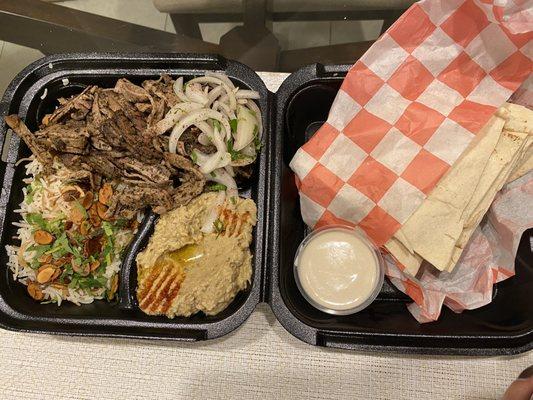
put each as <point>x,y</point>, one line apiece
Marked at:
<point>259,360</point>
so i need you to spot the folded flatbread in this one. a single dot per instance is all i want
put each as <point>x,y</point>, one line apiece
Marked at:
<point>440,228</point>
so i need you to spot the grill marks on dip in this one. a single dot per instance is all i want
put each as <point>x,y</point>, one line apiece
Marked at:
<point>160,287</point>
<point>233,221</point>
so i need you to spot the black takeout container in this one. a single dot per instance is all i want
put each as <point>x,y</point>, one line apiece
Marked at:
<point>290,117</point>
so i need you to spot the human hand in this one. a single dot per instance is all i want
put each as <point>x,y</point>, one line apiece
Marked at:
<point>522,388</point>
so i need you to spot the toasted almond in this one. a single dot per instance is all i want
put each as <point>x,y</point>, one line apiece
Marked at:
<point>85,227</point>
<point>102,211</point>
<point>95,220</point>
<point>70,195</point>
<point>45,273</point>
<point>87,200</point>
<point>46,119</point>
<point>76,215</point>
<point>73,191</point>
<point>34,291</point>
<point>56,275</point>
<point>105,193</point>
<point>114,287</point>
<point>45,259</point>
<point>82,269</point>
<point>62,261</point>
<point>94,265</point>
<point>43,237</point>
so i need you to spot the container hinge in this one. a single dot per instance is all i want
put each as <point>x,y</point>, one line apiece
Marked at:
<point>331,70</point>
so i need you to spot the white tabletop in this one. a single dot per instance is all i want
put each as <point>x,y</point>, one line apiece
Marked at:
<point>258,361</point>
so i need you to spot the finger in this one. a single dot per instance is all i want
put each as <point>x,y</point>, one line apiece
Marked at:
<point>521,389</point>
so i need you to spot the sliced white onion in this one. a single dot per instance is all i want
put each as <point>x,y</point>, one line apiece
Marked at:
<point>178,89</point>
<point>208,225</point>
<point>220,159</point>
<point>221,176</point>
<point>247,94</point>
<point>249,150</point>
<point>241,162</point>
<point>192,119</point>
<point>203,139</point>
<point>214,94</point>
<point>223,77</point>
<point>250,156</point>
<point>201,158</point>
<point>194,93</point>
<point>245,128</point>
<point>213,80</point>
<point>242,101</point>
<point>253,107</point>
<point>205,128</point>
<point>229,170</point>
<point>217,140</point>
<point>224,108</point>
<point>174,115</point>
<point>208,163</point>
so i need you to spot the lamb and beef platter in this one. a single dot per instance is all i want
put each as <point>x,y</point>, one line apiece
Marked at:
<point>105,156</point>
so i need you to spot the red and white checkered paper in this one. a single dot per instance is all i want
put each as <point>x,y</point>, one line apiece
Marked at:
<point>404,114</point>
<point>408,109</point>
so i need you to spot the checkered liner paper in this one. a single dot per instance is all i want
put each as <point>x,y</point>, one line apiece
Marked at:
<point>409,108</point>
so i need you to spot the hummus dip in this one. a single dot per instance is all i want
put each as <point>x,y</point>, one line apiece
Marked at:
<point>183,270</point>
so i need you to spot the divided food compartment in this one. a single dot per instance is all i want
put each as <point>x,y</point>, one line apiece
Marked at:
<point>122,318</point>
<point>290,117</point>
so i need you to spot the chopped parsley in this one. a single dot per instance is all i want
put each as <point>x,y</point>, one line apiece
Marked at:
<point>194,157</point>
<point>235,155</point>
<point>31,189</point>
<point>219,226</point>
<point>39,249</point>
<point>60,247</point>
<point>217,187</point>
<point>233,124</point>
<point>216,124</point>
<point>108,228</point>
<point>36,220</point>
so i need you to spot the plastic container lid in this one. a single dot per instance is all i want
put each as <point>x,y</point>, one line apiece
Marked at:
<point>338,270</point>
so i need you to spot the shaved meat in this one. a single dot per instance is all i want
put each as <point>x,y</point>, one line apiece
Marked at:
<point>41,152</point>
<point>189,138</point>
<point>71,137</point>
<point>162,89</point>
<point>131,92</point>
<point>109,135</point>
<point>76,108</point>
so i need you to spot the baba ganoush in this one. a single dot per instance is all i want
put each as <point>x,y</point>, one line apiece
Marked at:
<point>186,269</point>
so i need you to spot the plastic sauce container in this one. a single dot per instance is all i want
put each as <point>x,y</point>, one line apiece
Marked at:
<point>338,270</point>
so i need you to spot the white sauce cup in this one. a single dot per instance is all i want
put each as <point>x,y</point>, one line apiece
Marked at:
<point>338,269</point>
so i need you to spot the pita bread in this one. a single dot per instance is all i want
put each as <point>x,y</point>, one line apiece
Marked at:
<point>440,228</point>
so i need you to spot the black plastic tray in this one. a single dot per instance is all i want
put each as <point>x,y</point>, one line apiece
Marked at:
<point>23,96</point>
<point>289,117</point>
<point>505,326</point>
